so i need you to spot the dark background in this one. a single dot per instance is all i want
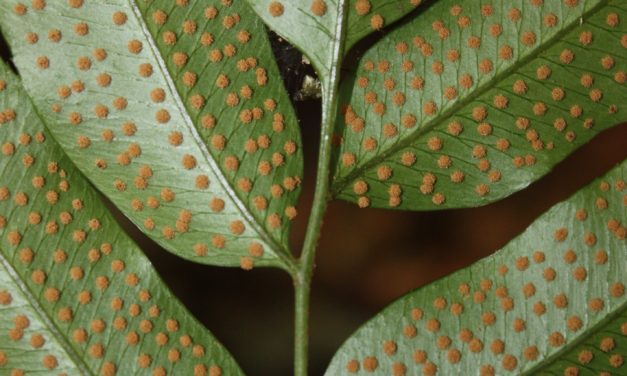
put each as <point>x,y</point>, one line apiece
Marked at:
<point>367,257</point>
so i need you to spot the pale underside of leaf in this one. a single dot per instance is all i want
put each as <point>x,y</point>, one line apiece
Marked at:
<point>311,29</point>
<point>550,302</point>
<point>76,294</point>
<point>175,111</point>
<point>472,101</point>
<point>312,25</point>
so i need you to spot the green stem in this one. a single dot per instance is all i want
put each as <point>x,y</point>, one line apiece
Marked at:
<point>302,288</point>
<point>302,279</point>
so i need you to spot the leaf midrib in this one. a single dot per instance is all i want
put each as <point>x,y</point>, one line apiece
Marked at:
<point>338,185</point>
<point>587,333</point>
<point>282,253</point>
<point>76,358</point>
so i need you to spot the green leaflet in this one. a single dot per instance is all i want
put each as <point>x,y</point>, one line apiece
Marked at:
<point>37,349</point>
<point>472,101</point>
<point>551,302</point>
<point>315,26</point>
<point>121,85</point>
<point>76,294</point>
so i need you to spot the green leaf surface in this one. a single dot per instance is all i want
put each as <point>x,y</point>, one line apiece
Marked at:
<point>551,302</point>
<point>472,101</point>
<point>315,26</point>
<point>77,296</point>
<point>121,85</point>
